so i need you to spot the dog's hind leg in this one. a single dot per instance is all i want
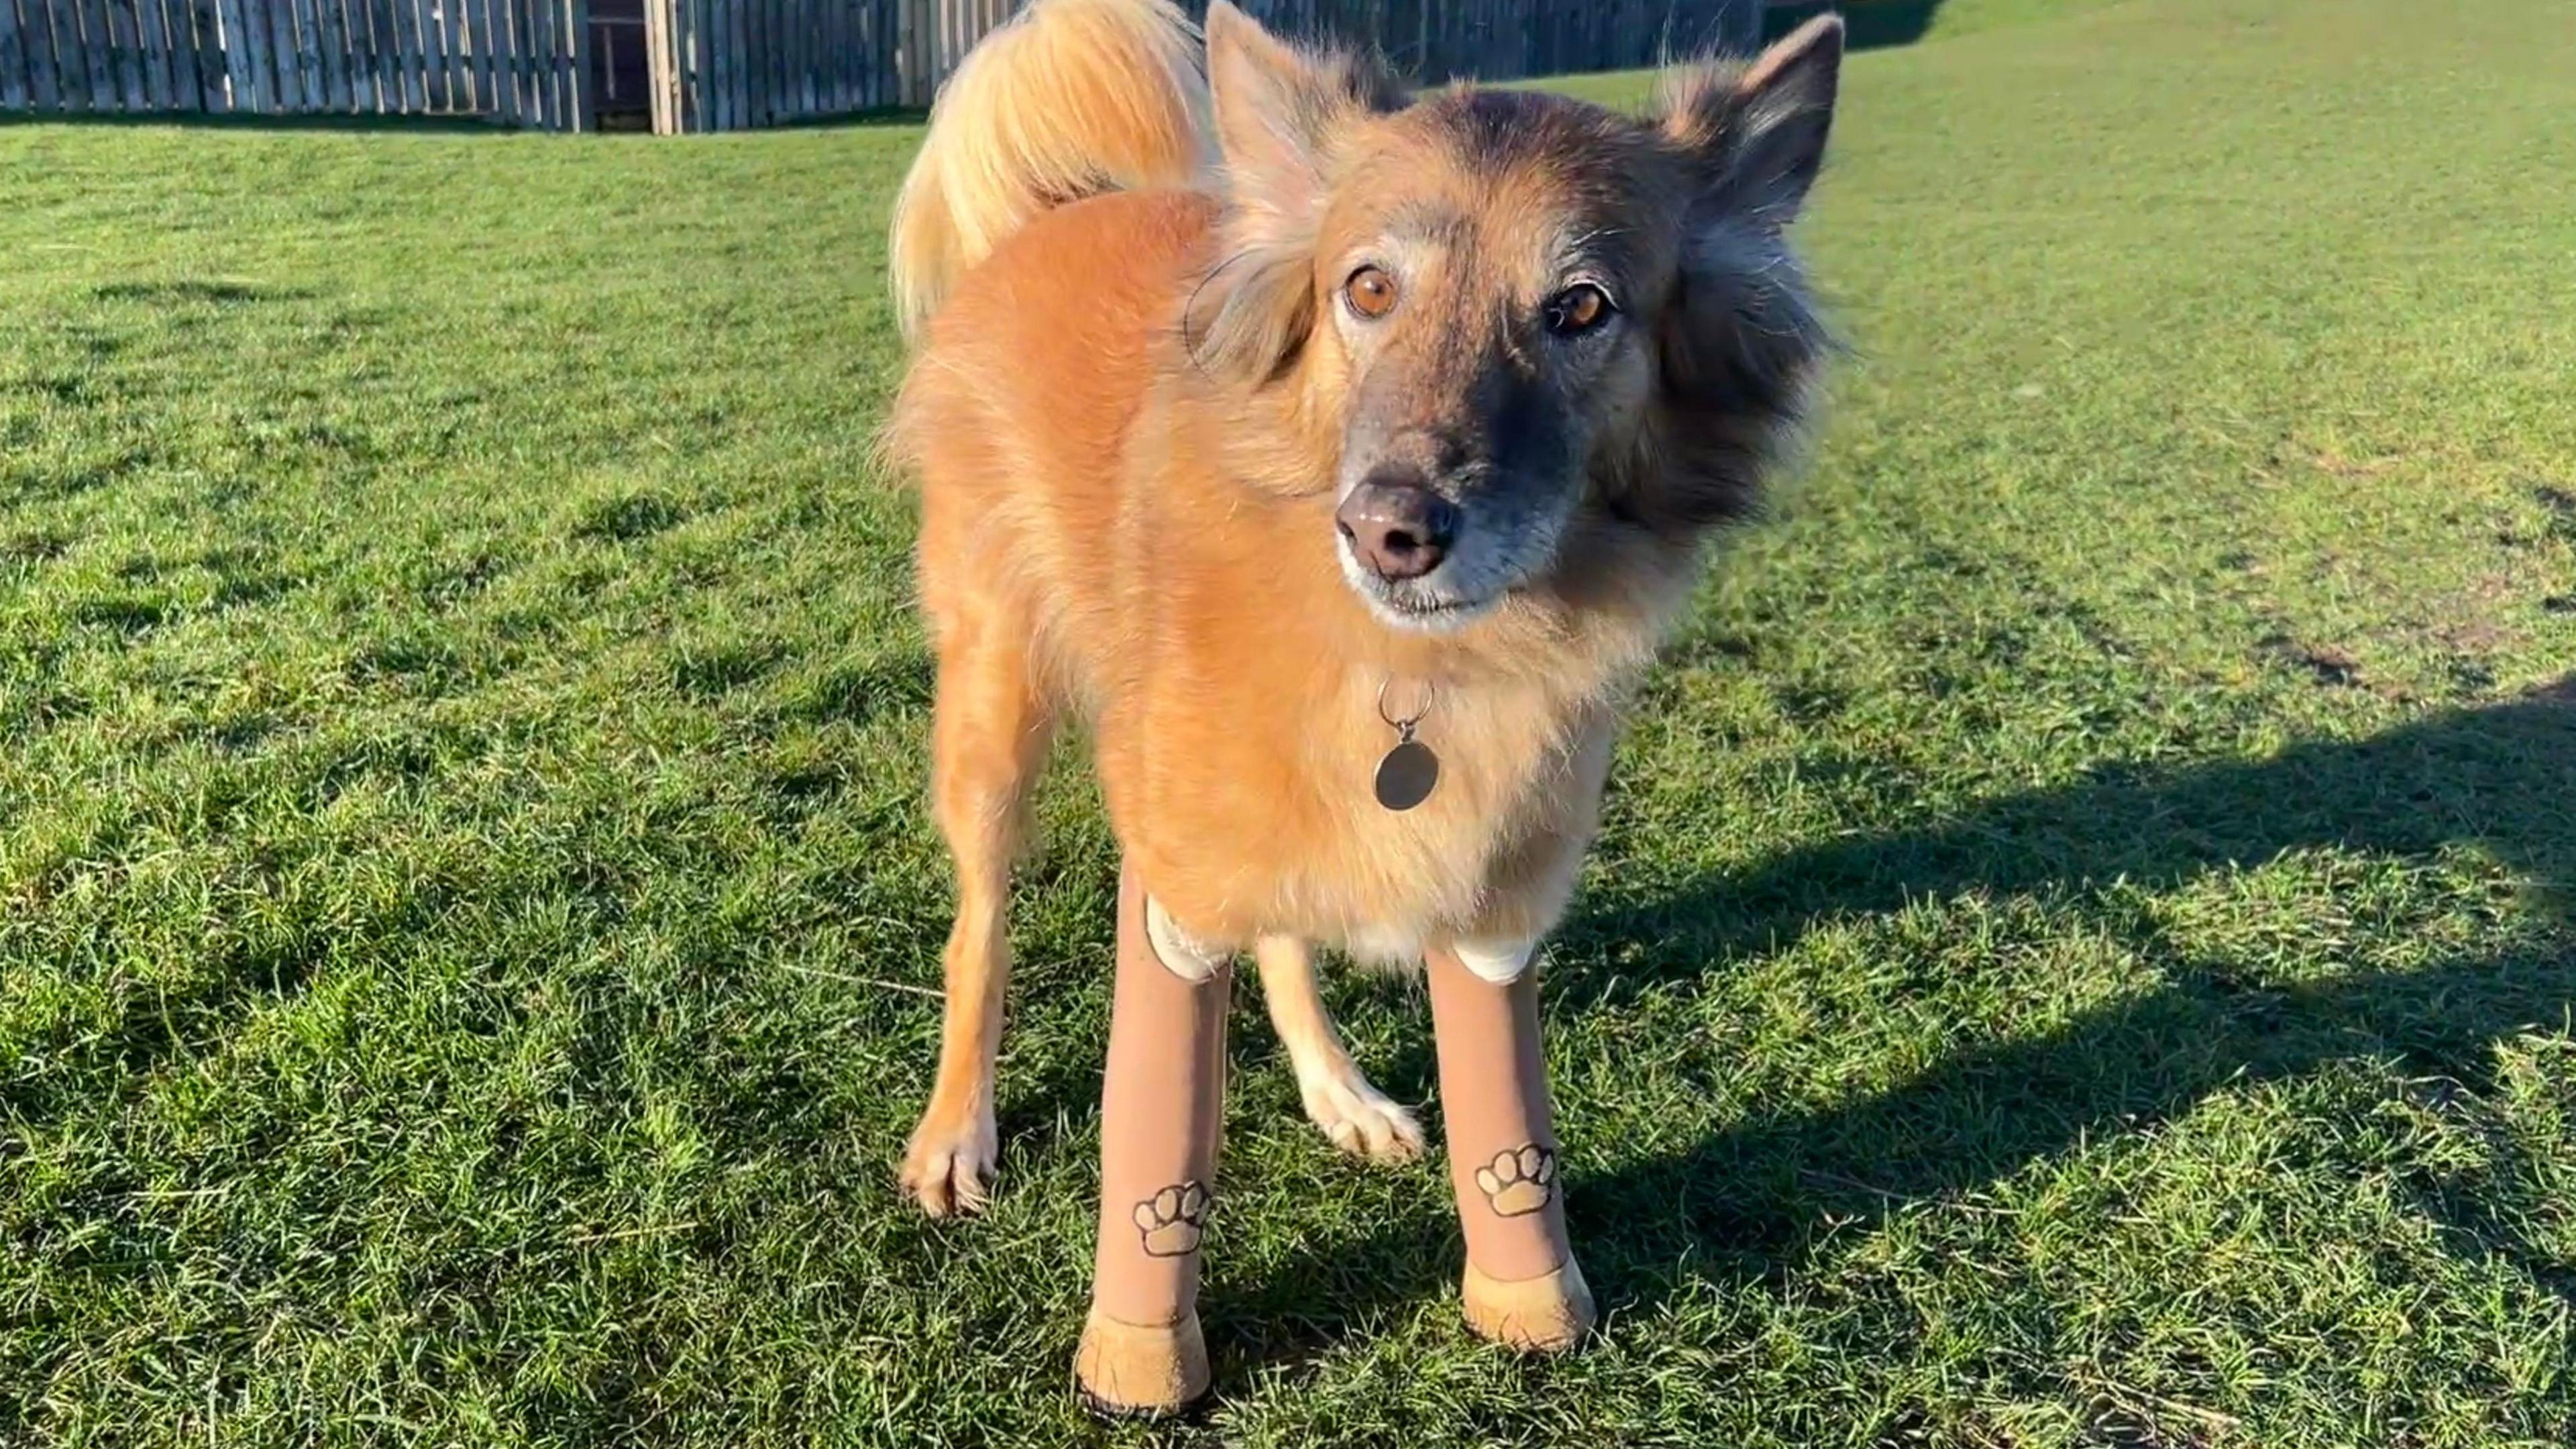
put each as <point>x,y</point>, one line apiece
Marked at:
<point>1359,1118</point>
<point>989,742</point>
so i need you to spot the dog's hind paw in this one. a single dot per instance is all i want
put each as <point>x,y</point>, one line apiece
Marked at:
<point>1360,1119</point>
<point>948,1168</point>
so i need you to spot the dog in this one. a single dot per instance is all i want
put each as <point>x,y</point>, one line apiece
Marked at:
<point>1267,417</point>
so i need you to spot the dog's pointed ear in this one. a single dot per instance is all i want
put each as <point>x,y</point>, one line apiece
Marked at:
<point>1278,109</point>
<point>1759,130</point>
<point>1281,114</point>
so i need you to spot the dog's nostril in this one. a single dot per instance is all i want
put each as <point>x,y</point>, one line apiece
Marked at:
<point>1401,541</point>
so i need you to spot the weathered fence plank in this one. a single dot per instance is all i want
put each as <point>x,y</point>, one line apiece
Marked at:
<point>179,29</point>
<point>123,29</point>
<point>412,21</point>
<point>246,56</point>
<point>152,54</point>
<point>80,35</point>
<point>435,94</point>
<point>463,41</point>
<point>342,55</point>
<point>43,92</point>
<point>206,56</point>
<point>478,24</point>
<point>543,108</point>
<point>585,89</point>
<point>714,42</point>
<point>550,90</point>
<point>525,49</point>
<point>13,59</point>
<point>358,58</point>
<point>307,57</point>
<point>178,56</point>
<point>70,67</point>
<point>731,63</point>
<point>510,57</point>
<point>281,72</point>
<point>551,25</point>
<point>763,58</point>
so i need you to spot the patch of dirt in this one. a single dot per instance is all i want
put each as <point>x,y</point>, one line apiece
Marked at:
<point>2476,638</point>
<point>2331,665</point>
<point>2341,466</point>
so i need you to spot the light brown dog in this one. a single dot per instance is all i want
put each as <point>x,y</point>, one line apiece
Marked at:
<point>1265,416</point>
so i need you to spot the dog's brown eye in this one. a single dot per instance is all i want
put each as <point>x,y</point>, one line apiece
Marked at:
<point>1578,309</point>
<point>1371,293</point>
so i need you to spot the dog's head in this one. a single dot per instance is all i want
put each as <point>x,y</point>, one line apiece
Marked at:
<point>1531,323</point>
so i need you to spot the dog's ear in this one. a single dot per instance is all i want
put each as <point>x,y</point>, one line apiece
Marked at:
<point>1758,131</point>
<point>1742,335</point>
<point>1280,113</point>
<point>1278,109</point>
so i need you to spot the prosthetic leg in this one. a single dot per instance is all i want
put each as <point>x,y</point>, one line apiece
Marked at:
<point>1522,1287</point>
<point>1161,1104</point>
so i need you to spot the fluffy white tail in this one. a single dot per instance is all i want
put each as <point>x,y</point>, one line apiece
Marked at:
<point>1071,98</point>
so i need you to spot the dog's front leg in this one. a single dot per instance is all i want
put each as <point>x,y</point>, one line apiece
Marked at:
<point>1522,1287</point>
<point>1161,1103</point>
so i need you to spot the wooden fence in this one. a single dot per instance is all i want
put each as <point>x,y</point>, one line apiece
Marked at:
<point>522,61</point>
<point>701,65</point>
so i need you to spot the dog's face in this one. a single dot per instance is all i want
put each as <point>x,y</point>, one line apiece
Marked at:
<point>1533,320</point>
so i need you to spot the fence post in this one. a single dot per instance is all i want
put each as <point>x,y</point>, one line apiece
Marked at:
<point>657,66</point>
<point>581,112</point>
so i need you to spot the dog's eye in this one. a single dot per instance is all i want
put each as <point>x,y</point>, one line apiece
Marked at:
<point>1370,293</point>
<point>1578,309</point>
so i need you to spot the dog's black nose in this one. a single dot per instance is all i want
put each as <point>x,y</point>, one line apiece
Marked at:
<point>1399,528</point>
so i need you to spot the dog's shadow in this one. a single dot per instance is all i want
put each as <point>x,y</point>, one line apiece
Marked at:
<point>1758,1197</point>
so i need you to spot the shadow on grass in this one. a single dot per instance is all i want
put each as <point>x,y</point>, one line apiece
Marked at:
<point>1756,1199</point>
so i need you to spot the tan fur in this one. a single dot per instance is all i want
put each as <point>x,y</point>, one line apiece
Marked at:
<point>1049,107</point>
<point>1122,523</point>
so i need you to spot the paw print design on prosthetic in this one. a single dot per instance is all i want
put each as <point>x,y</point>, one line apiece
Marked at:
<point>1520,1180</point>
<point>1173,1219</point>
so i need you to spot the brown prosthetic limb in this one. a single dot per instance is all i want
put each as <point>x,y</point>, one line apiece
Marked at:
<point>1161,1102</point>
<point>1522,1287</point>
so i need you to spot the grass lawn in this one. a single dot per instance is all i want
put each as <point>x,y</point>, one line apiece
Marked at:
<point>2080,953</point>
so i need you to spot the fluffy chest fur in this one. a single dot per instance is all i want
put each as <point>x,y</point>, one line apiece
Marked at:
<point>1240,725</point>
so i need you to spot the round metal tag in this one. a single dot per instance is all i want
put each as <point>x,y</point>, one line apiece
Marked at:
<point>1407,774</point>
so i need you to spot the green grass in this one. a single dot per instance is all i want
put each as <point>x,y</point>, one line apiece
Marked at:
<point>2079,954</point>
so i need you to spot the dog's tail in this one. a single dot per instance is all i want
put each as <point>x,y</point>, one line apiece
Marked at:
<point>1070,99</point>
